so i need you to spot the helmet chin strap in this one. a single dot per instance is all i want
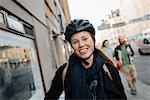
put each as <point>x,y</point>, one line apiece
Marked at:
<point>84,60</point>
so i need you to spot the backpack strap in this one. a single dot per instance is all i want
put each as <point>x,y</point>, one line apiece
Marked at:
<point>107,71</point>
<point>64,73</point>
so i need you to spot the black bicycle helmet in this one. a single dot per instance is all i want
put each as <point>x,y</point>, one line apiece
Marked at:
<point>78,25</point>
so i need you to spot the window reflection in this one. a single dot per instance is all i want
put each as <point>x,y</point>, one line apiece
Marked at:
<point>16,77</point>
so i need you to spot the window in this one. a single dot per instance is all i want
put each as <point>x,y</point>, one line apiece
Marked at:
<point>16,73</point>
<point>55,3</point>
<point>19,70</point>
<point>15,24</point>
<point>28,30</point>
<point>61,24</point>
<point>1,18</point>
<point>20,26</point>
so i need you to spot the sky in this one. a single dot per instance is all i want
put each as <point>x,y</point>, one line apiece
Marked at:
<point>93,10</point>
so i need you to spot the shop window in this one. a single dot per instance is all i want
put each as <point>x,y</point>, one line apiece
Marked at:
<point>20,77</point>
<point>16,76</point>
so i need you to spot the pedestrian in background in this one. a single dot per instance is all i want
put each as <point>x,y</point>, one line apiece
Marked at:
<point>89,74</point>
<point>107,49</point>
<point>124,53</point>
<point>110,53</point>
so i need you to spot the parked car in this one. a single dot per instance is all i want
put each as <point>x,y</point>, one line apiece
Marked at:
<point>144,45</point>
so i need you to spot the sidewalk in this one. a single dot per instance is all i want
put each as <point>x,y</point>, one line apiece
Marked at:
<point>143,90</point>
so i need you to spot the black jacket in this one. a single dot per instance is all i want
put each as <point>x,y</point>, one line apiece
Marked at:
<point>119,48</point>
<point>114,87</point>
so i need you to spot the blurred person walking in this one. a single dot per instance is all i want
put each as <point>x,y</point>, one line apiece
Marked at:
<point>124,54</point>
<point>107,49</point>
<point>89,74</point>
<point>110,53</point>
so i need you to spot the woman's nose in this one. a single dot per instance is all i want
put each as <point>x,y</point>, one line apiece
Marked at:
<point>81,43</point>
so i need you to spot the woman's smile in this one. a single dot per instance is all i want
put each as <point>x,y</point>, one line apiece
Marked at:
<point>83,44</point>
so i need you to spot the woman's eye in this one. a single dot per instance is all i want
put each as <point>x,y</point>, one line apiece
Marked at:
<point>85,38</point>
<point>74,42</point>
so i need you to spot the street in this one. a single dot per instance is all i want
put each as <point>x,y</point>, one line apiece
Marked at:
<point>142,63</point>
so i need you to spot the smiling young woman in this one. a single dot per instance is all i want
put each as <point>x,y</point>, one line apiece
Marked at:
<point>88,74</point>
<point>83,45</point>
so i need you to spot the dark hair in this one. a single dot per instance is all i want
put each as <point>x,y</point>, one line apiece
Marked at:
<point>103,44</point>
<point>78,25</point>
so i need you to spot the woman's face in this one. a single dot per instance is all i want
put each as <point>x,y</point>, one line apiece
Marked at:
<point>83,44</point>
<point>106,44</point>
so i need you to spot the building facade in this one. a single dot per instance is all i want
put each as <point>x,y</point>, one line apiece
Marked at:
<point>131,19</point>
<point>32,46</point>
<point>112,26</point>
<point>136,13</point>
